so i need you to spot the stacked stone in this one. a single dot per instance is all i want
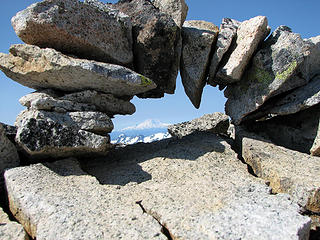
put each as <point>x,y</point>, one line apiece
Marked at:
<point>87,60</point>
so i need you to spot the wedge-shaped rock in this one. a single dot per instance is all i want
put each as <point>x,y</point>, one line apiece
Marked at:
<point>195,187</point>
<point>156,44</point>
<point>39,68</point>
<point>281,65</point>
<point>76,28</point>
<point>287,171</point>
<point>89,100</point>
<point>95,122</point>
<point>11,230</point>
<point>197,43</point>
<point>215,122</point>
<point>227,34</point>
<point>43,138</point>
<point>8,154</point>
<point>315,149</point>
<point>177,9</point>
<point>249,35</point>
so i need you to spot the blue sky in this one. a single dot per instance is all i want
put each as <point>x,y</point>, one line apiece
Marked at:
<point>302,16</point>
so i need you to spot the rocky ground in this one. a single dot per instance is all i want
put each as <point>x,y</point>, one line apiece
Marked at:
<point>252,173</point>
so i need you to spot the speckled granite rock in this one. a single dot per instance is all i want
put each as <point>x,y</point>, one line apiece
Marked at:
<point>287,171</point>
<point>77,28</point>
<point>215,122</point>
<point>10,230</point>
<point>195,187</point>
<point>197,43</point>
<point>156,44</point>
<point>39,68</point>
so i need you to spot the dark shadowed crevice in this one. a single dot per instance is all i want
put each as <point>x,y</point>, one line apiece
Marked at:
<point>164,230</point>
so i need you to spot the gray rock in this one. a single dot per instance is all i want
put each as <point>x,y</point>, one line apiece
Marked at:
<point>249,35</point>
<point>177,9</point>
<point>215,122</point>
<point>8,154</point>
<point>295,131</point>
<point>315,149</point>
<point>11,230</point>
<point>89,100</point>
<point>95,122</point>
<point>43,138</point>
<point>227,33</point>
<point>280,66</point>
<point>76,28</point>
<point>156,44</point>
<point>197,43</point>
<point>10,131</point>
<point>106,103</point>
<point>39,68</point>
<point>195,187</point>
<point>286,171</point>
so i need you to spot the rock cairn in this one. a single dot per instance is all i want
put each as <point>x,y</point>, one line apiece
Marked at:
<point>87,60</point>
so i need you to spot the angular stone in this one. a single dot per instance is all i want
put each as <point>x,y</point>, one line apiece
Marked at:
<point>39,68</point>
<point>106,103</point>
<point>76,28</point>
<point>156,44</point>
<point>197,43</point>
<point>43,138</point>
<point>95,122</point>
<point>249,35</point>
<point>227,33</point>
<point>280,66</point>
<point>11,230</point>
<point>8,154</point>
<point>62,202</point>
<point>89,100</point>
<point>287,171</point>
<point>315,149</point>
<point>195,187</point>
<point>177,9</point>
<point>215,123</point>
<point>10,131</point>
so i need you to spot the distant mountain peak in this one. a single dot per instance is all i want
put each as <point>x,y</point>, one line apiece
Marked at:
<point>147,124</point>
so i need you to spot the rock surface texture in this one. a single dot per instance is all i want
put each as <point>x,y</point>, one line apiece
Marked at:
<point>47,68</point>
<point>287,171</point>
<point>11,230</point>
<point>8,154</point>
<point>227,34</point>
<point>77,28</point>
<point>280,66</point>
<point>198,38</point>
<point>156,44</point>
<point>249,34</point>
<point>215,123</point>
<point>177,9</point>
<point>145,189</point>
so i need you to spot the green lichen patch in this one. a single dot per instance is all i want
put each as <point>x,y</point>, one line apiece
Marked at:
<point>288,72</point>
<point>145,81</point>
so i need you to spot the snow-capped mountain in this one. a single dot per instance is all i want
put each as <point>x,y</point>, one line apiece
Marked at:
<point>127,140</point>
<point>147,124</point>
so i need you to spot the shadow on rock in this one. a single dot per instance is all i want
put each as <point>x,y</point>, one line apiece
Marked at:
<point>122,165</point>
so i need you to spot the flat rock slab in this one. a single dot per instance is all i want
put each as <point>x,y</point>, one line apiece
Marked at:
<point>10,230</point>
<point>76,28</point>
<point>8,154</point>
<point>177,9</point>
<point>249,35</point>
<point>39,68</point>
<point>156,44</point>
<point>282,64</point>
<point>287,171</point>
<point>48,139</point>
<point>195,187</point>
<point>95,122</point>
<point>227,34</point>
<point>215,123</point>
<point>197,43</point>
